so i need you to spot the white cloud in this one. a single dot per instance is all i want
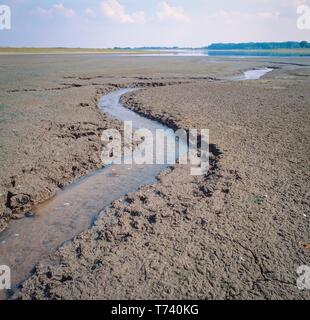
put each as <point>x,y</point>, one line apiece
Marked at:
<point>56,8</point>
<point>269,15</point>
<point>90,13</point>
<point>116,11</point>
<point>173,13</point>
<point>230,17</point>
<point>44,12</point>
<point>67,12</point>
<point>229,14</point>
<point>237,16</point>
<point>139,17</point>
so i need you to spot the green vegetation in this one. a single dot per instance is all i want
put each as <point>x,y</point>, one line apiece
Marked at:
<point>3,117</point>
<point>260,45</point>
<point>259,200</point>
<point>3,106</point>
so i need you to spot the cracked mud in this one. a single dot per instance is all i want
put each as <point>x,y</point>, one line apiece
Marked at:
<point>237,233</point>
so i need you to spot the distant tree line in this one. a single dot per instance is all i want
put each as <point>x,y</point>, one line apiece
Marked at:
<point>259,45</point>
<point>146,48</point>
<point>232,46</point>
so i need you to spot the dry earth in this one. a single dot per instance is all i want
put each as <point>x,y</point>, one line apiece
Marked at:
<point>238,233</point>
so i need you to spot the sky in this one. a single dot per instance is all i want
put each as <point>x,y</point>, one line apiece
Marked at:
<point>135,23</point>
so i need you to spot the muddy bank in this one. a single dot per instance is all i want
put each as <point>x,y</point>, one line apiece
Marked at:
<point>50,135</point>
<point>74,209</point>
<point>238,233</point>
<point>47,141</point>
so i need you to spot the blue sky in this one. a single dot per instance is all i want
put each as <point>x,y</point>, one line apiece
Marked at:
<point>109,23</point>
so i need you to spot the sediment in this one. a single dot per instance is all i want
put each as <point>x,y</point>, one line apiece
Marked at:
<point>239,232</point>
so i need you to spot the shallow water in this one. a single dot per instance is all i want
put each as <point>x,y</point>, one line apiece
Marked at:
<point>26,241</point>
<point>257,54</point>
<point>252,74</point>
<point>224,53</point>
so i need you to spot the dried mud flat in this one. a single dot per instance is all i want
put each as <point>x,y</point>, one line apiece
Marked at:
<point>238,233</point>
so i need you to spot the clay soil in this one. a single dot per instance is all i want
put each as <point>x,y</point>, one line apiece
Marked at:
<point>239,232</point>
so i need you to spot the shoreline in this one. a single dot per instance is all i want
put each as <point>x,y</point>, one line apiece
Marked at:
<point>43,51</point>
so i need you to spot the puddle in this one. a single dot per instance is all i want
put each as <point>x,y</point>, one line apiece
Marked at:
<point>252,74</point>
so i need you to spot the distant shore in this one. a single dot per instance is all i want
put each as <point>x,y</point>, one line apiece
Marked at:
<point>28,50</point>
<point>299,51</point>
<point>245,52</point>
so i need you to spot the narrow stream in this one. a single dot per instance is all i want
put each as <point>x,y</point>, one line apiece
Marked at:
<point>26,241</point>
<point>255,74</point>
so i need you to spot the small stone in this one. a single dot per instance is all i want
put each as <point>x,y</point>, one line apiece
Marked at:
<point>135,224</point>
<point>152,219</point>
<point>108,236</point>
<point>203,222</point>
